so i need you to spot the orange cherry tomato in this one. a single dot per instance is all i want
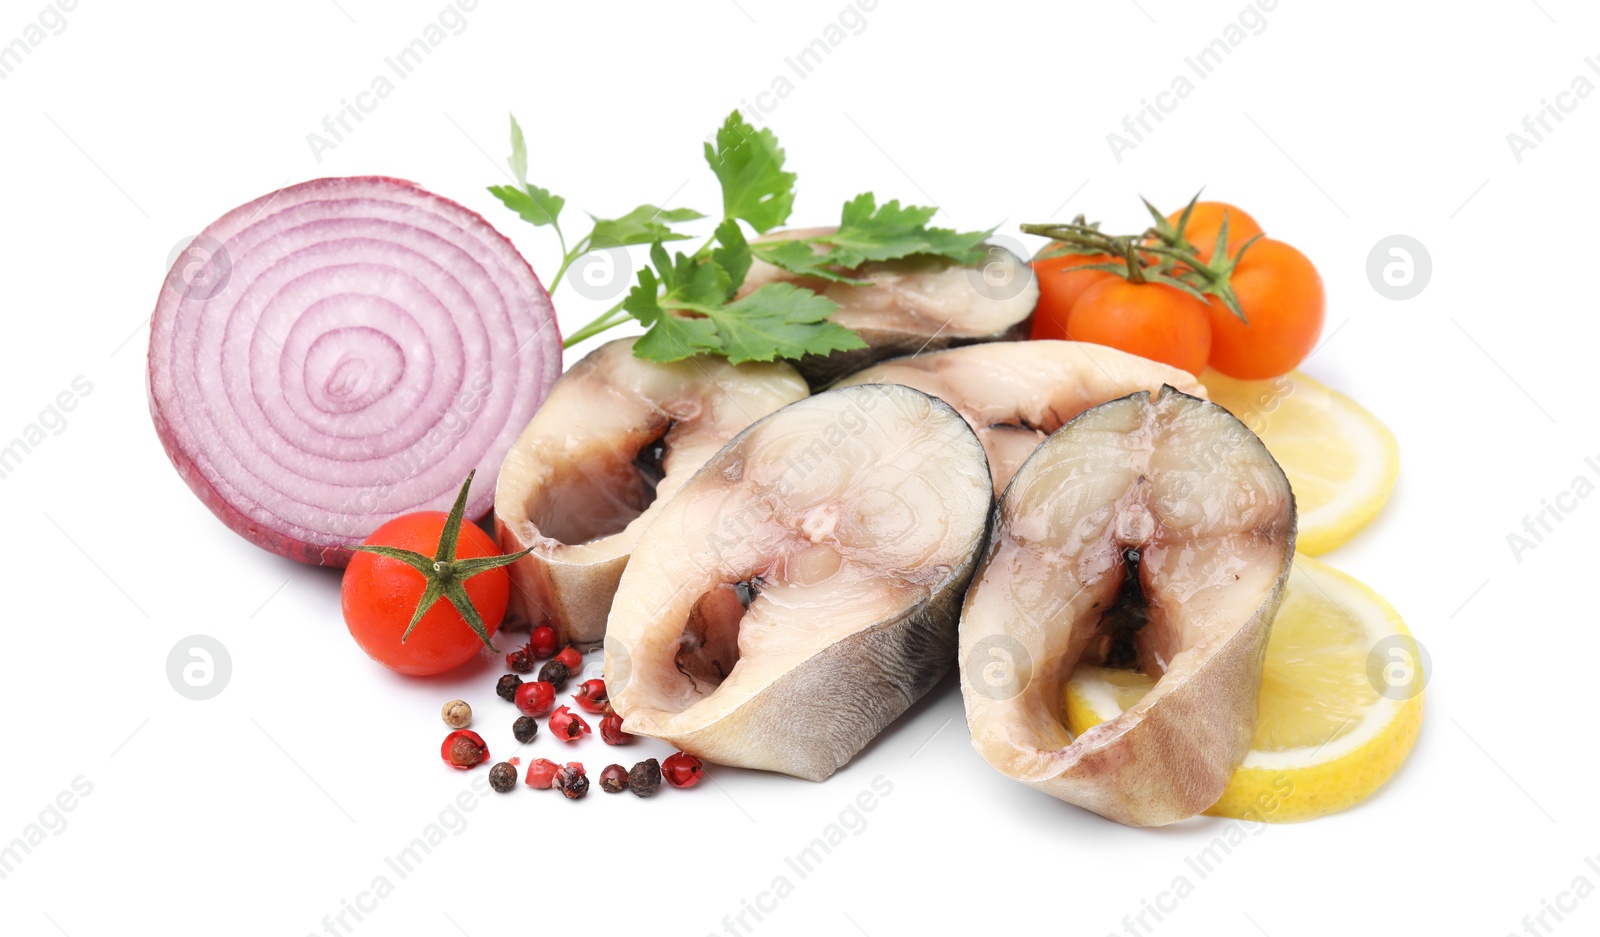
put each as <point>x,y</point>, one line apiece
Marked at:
<point>1206,220</point>
<point>1061,282</point>
<point>1282,297</point>
<point>1153,320</point>
<point>380,595</point>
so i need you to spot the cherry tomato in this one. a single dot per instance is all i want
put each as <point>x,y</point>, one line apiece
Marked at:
<point>1282,297</point>
<point>380,596</point>
<point>1153,320</point>
<point>1060,285</point>
<point>1206,220</point>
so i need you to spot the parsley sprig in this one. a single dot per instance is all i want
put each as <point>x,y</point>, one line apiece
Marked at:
<point>687,302</point>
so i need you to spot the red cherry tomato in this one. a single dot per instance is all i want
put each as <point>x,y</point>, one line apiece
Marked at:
<point>380,596</point>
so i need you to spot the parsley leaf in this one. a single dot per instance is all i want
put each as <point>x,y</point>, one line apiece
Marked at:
<point>798,257</point>
<point>733,254</point>
<point>780,320</point>
<point>670,337</point>
<point>537,206</point>
<point>519,153</point>
<point>868,231</point>
<point>691,283</point>
<point>684,302</point>
<point>749,164</point>
<point>643,225</point>
<point>683,284</point>
<point>872,232</point>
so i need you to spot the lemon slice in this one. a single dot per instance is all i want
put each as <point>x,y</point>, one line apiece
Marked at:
<point>1341,701</point>
<point>1341,462</point>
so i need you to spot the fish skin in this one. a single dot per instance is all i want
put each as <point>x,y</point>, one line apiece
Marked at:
<point>846,695</point>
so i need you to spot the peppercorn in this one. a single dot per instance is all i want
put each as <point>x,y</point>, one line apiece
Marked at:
<point>542,641</point>
<point>503,777</point>
<point>522,659</point>
<point>567,725</point>
<point>572,781</point>
<point>591,696</point>
<point>456,714</point>
<point>506,689</point>
<point>683,770</point>
<point>464,748</point>
<point>570,656</point>
<point>535,699</point>
<point>541,774</point>
<point>644,778</point>
<point>556,674</point>
<point>525,728</point>
<point>611,729</point>
<point>614,779</point>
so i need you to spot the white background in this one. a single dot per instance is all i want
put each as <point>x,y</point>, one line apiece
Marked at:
<point>266,808</point>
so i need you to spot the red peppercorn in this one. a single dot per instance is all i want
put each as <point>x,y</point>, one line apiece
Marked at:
<point>543,641</point>
<point>464,748</point>
<point>614,779</point>
<point>567,725</point>
<point>591,696</point>
<point>682,770</point>
<point>521,660</point>
<point>541,774</point>
<point>536,698</point>
<point>571,780</point>
<point>611,729</point>
<point>569,655</point>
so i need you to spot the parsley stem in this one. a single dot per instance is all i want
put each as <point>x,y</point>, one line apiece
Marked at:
<point>704,249</point>
<point>614,316</point>
<point>567,257</point>
<point>609,319</point>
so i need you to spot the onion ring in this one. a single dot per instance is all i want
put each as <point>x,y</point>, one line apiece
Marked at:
<point>346,351</point>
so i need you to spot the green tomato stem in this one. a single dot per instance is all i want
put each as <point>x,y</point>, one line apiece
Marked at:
<point>443,573</point>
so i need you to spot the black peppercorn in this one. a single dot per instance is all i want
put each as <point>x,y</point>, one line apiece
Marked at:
<point>507,687</point>
<point>556,674</point>
<point>644,778</point>
<point>503,777</point>
<point>525,729</point>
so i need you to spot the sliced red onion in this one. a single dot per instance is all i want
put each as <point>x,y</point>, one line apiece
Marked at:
<point>343,351</point>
